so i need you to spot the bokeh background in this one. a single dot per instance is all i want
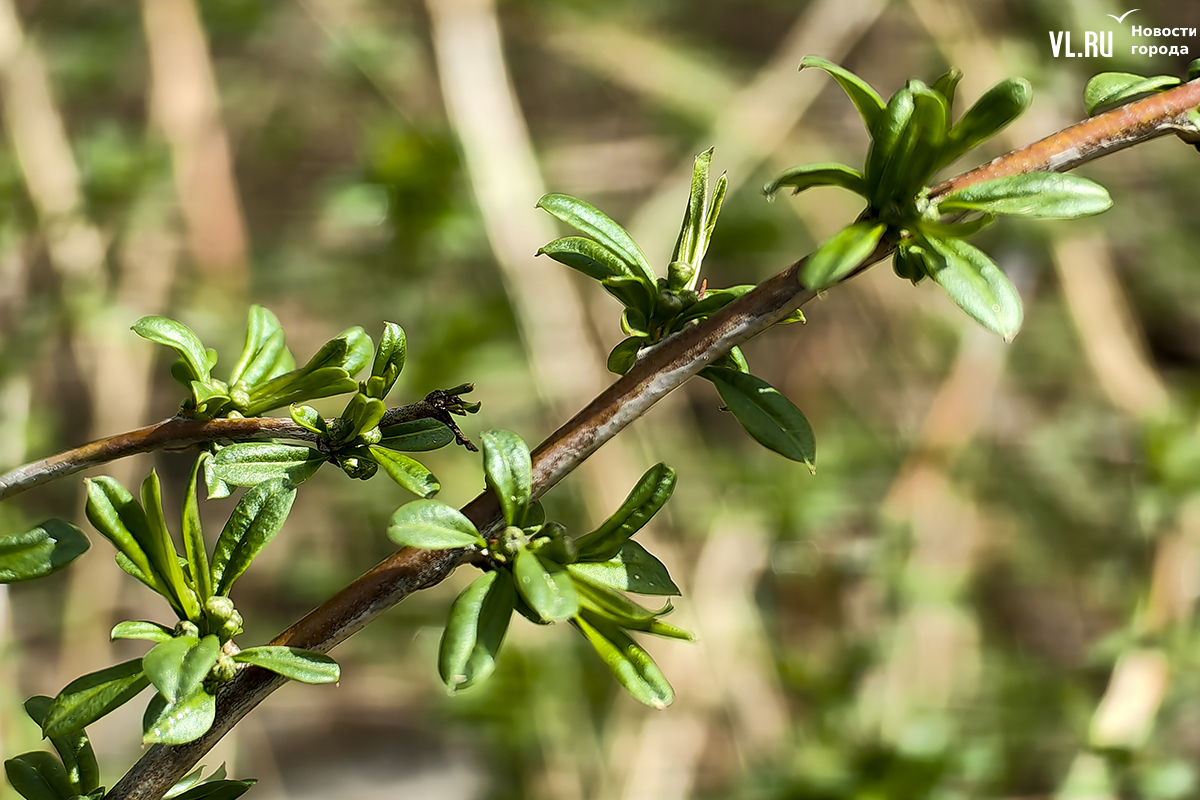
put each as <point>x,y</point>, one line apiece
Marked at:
<point>986,590</point>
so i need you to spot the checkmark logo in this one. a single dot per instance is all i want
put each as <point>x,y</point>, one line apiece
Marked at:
<point>1123,16</point>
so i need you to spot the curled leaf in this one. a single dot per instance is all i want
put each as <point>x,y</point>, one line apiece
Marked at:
<point>40,551</point>
<point>1117,88</point>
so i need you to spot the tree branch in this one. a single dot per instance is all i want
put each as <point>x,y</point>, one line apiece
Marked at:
<point>657,372</point>
<point>180,432</point>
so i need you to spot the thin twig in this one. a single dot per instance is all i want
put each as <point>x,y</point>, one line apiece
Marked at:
<point>180,432</point>
<point>659,371</point>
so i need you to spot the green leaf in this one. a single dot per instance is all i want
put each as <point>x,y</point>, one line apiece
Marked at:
<point>546,586</point>
<point>430,525</point>
<point>632,292</point>
<point>509,472</point>
<point>991,114</point>
<point>866,100</point>
<point>587,256</point>
<point>161,549</point>
<point>298,386</point>
<point>927,128</point>
<point>1047,195</point>
<point>841,254</point>
<point>769,417</point>
<point>407,472</point>
<point>908,265</point>
<point>38,776</point>
<point>629,663</point>
<point>362,414</point>
<point>178,666</point>
<point>807,176</point>
<point>389,357</point>
<point>179,338</point>
<point>1193,70</point>
<point>308,418</point>
<point>141,629</point>
<point>698,220</point>
<point>712,302</point>
<point>350,350</point>
<point>263,350</point>
<point>41,551</point>
<point>181,722</point>
<point>416,436</point>
<point>623,356</point>
<point>193,536</point>
<point>117,516</point>
<point>255,520</point>
<point>632,569</point>
<point>251,463</point>
<point>1117,88</point>
<point>647,497</point>
<point>892,140</point>
<point>975,284</point>
<point>932,229</point>
<point>78,757</point>
<point>602,602</point>
<point>946,86</point>
<point>475,630</point>
<point>217,790</point>
<point>292,663</point>
<point>87,699</point>
<point>592,222</point>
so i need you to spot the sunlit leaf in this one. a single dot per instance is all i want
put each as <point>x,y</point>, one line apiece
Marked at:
<point>649,495</point>
<point>255,520</point>
<point>1116,88</point>
<point>592,222</point>
<point>177,666</point>
<point>975,284</point>
<point>87,699</point>
<point>546,586</point>
<point>768,416</point>
<point>990,114</point>
<point>251,463</point>
<point>475,630</point>
<point>292,663</point>
<point>629,663</point>
<point>180,722</point>
<point>40,551</point>
<point>841,254</point>
<point>430,525</point>
<point>823,174</point>
<point>407,472</point>
<point>141,629</point>
<point>1032,194</point>
<point>631,569</point>
<point>179,338</point>
<point>509,472</point>
<point>868,102</point>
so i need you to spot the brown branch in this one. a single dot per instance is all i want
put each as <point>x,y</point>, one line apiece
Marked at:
<point>180,432</point>
<point>657,372</point>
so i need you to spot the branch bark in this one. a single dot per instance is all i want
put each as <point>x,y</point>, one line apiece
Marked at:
<point>657,372</point>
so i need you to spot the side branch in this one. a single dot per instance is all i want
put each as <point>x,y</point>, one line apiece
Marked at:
<point>657,372</point>
<point>180,432</point>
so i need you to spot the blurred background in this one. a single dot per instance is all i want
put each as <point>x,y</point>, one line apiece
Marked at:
<point>986,590</point>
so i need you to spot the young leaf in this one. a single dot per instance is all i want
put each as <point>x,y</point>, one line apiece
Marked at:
<point>546,586</point>
<point>712,302</point>
<point>1048,195</point>
<point>389,357</point>
<point>602,602</point>
<point>263,347</point>
<point>78,757</point>
<point>298,386</point>
<point>594,223</point>
<point>649,495</point>
<point>991,114</point>
<point>868,102</point>
<point>217,790</point>
<point>407,472</point>
<point>629,663</point>
<point>87,699</point>
<point>623,356</point>
<point>927,127</point>
<point>180,722</point>
<point>430,525</point>
<point>41,551</point>
<point>362,414</point>
<point>161,549</point>
<point>416,436</point>
<point>946,85</point>
<point>255,520</point>
<point>975,284</point>
<point>509,472</point>
<point>632,292</point>
<point>1116,88</point>
<point>193,536</point>
<point>475,630</point>
<point>251,463</point>
<point>587,256</point>
<point>179,338</point>
<point>141,629</point>
<point>767,415</point>
<point>308,418</point>
<point>841,254</point>
<point>292,663</point>
<point>632,569</point>
<point>117,516</point>
<point>892,140</point>
<point>177,666</point>
<point>823,174</point>
<point>38,776</point>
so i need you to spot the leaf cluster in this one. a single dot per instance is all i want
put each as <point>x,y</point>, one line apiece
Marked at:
<point>656,308</point>
<point>534,568</point>
<point>913,136</point>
